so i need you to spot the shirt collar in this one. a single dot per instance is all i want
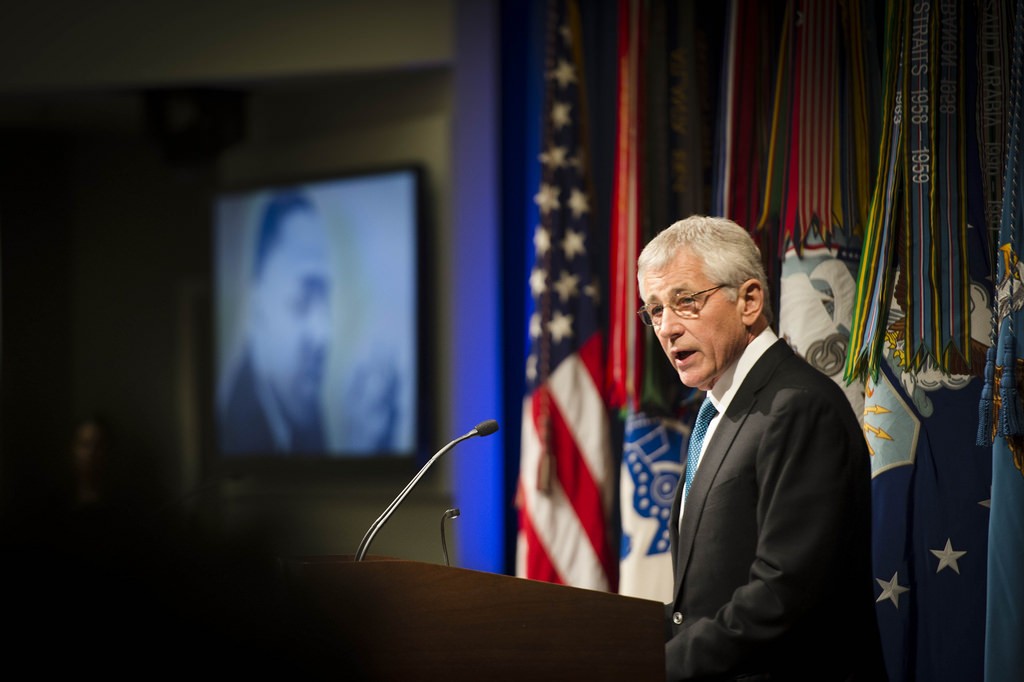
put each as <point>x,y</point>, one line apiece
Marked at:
<point>729,383</point>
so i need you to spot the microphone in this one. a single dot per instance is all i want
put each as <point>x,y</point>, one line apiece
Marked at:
<point>452,513</point>
<point>482,429</point>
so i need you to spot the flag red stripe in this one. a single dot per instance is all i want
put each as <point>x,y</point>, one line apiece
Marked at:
<point>537,562</point>
<point>622,368</point>
<point>575,477</point>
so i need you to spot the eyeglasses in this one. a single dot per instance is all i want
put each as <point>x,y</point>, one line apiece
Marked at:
<point>685,304</point>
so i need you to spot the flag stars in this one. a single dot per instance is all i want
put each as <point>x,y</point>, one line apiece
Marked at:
<point>555,157</point>
<point>547,198</point>
<point>541,240</point>
<point>891,590</point>
<point>538,282</point>
<point>592,291</point>
<point>579,203</point>
<point>560,114</point>
<point>566,286</point>
<point>947,557</point>
<point>556,334</point>
<point>566,32</point>
<point>531,364</point>
<point>573,244</point>
<point>535,326</point>
<point>564,73</point>
<point>560,327</point>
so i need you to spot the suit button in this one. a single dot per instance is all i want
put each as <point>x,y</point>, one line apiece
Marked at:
<point>677,618</point>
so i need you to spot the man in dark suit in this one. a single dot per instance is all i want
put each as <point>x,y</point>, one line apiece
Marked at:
<point>273,401</point>
<point>771,526</point>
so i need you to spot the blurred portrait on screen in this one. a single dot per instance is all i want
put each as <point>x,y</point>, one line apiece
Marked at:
<point>313,282</point>
<point>275,400</point>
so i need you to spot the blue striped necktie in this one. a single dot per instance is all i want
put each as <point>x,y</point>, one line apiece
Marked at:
<point>700,428</point>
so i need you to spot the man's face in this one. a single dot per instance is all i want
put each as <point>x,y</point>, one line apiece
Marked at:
<point>88,448</point>
<point>702,348</point>
<point>291,315</point>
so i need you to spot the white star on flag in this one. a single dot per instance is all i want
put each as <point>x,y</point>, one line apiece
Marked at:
<point>555,157</point>
<point>891,590</point>
<point>579,203</point>
<point>547,198</point>
<point>947,557</point>
<point>538,283</point>
<point>564,73</point>
<point>561,327</point>
<point>572,244</point>
<point>560,114</point>
<point>566,286</point>
<point>541,241</point>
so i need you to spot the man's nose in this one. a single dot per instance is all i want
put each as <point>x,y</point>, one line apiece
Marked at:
<point>318,322</point>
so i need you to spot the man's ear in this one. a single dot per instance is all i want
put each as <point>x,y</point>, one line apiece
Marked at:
<point>751,298</point>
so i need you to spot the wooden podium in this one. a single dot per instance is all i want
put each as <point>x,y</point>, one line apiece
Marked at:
<point>409,620</point>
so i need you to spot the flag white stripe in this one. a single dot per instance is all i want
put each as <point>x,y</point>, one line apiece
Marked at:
<point>579,401</point>
<point>554,520</point>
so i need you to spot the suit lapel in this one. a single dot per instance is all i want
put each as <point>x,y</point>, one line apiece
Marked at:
<point>718,447</point>
<point>673,527</point>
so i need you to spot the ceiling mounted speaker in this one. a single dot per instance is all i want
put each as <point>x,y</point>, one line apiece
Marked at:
<point>193,126</point>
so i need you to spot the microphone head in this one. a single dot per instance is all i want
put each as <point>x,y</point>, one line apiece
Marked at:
<point>486,428</point>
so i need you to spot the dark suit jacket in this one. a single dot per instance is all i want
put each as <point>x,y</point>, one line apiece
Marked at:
<point>773,560</point>
<point>244,428</point>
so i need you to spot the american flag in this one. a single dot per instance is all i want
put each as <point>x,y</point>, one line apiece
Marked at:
<point>566,474</point>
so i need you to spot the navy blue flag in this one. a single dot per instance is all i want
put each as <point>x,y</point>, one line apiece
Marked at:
<point>1004,646</point>
<point>931,482</point>
<point>930,497</point>
<point>931,487</point>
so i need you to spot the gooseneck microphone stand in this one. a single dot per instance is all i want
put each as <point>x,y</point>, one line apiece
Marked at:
<point>482,429</point>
